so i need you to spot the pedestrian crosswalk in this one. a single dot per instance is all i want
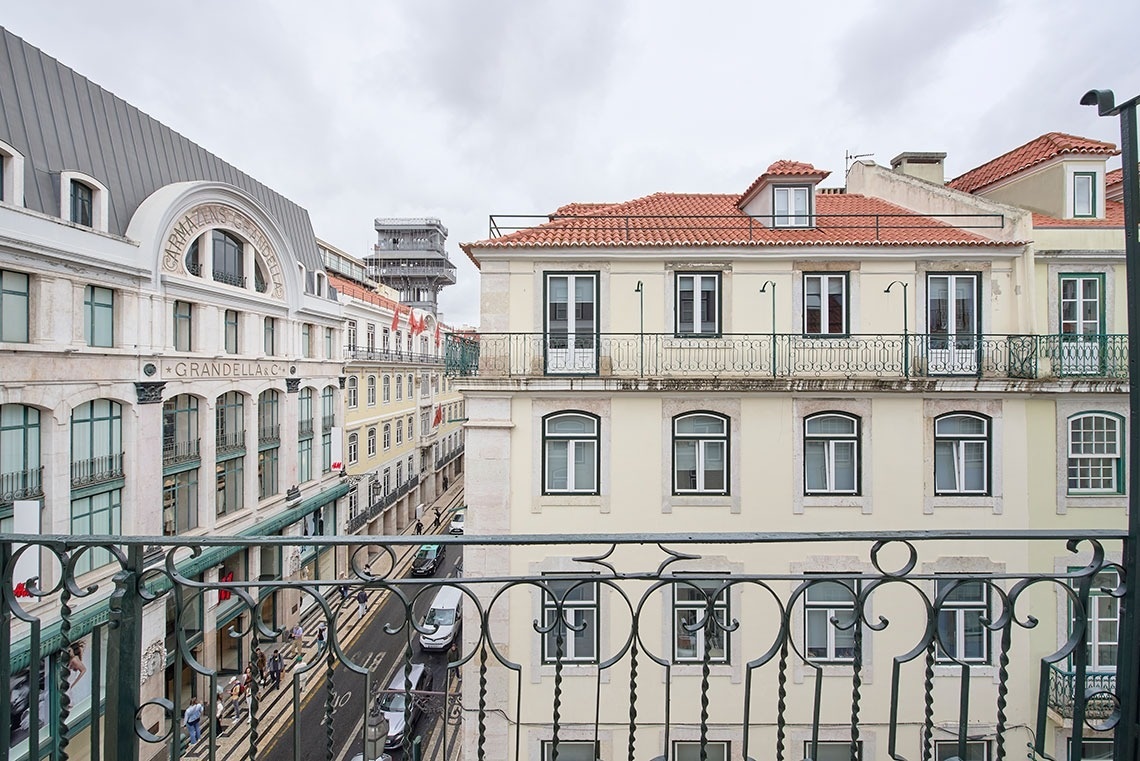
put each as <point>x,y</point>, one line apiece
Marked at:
<point>303,679</point>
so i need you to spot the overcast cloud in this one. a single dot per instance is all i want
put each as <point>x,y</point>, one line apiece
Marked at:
<point>466,108</point>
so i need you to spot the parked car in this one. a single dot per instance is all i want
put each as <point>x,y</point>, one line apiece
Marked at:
<point>457,520</point>
<point>393,701</point>
<point>427,559</point>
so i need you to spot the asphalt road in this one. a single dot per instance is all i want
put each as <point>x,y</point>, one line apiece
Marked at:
<point>383,654</point>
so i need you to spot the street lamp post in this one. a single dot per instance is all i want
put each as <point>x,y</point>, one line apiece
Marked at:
<point>640,291</point>
<point>764,289</point>
<point>1128,662</point>
<point>906,332</point>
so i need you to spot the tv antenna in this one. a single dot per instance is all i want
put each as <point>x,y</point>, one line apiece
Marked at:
<point>850,157</point>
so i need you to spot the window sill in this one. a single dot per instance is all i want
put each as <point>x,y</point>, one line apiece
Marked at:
<point>1087,501</point>
<point>840,501</point>
<point>696,669</point>
<point>546,501</point>
<point>700,500</point>
<point>930,504</point>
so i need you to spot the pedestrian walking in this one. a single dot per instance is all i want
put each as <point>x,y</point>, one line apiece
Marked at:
<point>321,632</point>
<point>276,666</point>
<point>219,709</point>
<point>361,604</point>
<point>298,638</point>
<point>193,718</point>
<point>247,690</point>
<point>235,691</point>
<point>343,593</point>
<point>437,514</point>
<point>262,670</point>
<point>419,526</point>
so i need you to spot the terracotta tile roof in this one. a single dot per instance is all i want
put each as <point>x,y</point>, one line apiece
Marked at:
<point>697,220</point>
<point>783,168</point>
<point>572,209</point>
<point>1113,211</point>
<point>360,293</point>
<point>1114,177</point>
<point>1036,151</point>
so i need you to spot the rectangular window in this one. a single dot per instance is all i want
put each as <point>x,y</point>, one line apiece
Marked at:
<point>976,750</point>
<point>231,331</point>
<point>1084,194</point>
<point>961,454</point>
<point>328,343</point>
<point>267,473</point>
<point>689,750</point>
<point>305,460</point>
<point>825,304</point>
<point>961,633</point>
<point>230,486</point>
<point>180,502</point>
<point>576,634</point>
<point>99,316</point>
<point>571,323</point>
<point>953,323</point>
<point>326,452</point>
<point>693,629</point>
<point>371,337</point>
<point>833,750</point>
<point>270,336</point>
<point>82,204</point>
<point>791,207</point>
<point>825,600</point>
<point>1082,324</point>
<point>352,335</point>
<point>571,750</point>
<point>698,305</point>
<point>96,515</point>
<point>1095,463</point>
<point>1094,750</point>
<point>183,325</point>
<point>307,341</point>
<point>13,307</point>
<point>1103,623</point>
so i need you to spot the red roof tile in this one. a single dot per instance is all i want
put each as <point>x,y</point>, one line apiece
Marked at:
<point>1036,151</point>
<point>1113,217</point>
<point>783,168</point>
<point>573,209</point>
<point>696,220</point>
<point>360,293</point>
<point>1114,177</point>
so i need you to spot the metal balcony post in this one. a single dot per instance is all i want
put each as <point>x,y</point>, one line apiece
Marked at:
<point>1128,664</point>
<point>124,660</point>
<point>640,290</point>
<point>764,289</point>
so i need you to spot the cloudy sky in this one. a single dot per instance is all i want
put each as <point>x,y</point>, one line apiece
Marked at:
<point>465,108</point>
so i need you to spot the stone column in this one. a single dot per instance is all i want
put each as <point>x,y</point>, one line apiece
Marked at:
<point>144,474</point>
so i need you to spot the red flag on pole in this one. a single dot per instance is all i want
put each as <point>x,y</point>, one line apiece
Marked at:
<point>437,334</point>
<point>438,414</point>
<point>396,318</point>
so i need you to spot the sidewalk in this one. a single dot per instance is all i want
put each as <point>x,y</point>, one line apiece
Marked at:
<point>276,706</point>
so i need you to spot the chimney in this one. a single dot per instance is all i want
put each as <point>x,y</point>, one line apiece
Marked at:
<point>925,166</point>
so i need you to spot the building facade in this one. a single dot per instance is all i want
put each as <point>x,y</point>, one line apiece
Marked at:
<point>172,367</point>
<point>403,427</point>
<point>897,354</point>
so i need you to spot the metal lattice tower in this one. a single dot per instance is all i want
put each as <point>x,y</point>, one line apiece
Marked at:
<point>409,256</point>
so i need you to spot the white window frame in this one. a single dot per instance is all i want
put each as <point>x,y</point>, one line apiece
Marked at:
<point>944,750</point>
<point>386,389</point>
<point>953,619</point>
<point>568,750</point>
<point>99,196</point>
<point>961,446</point>
<point>691,611</point>
<point>370,386</point>
<point>371,439</point>
<point>1090,191</point>
<point>578,446</point>
<point>387,436</point>
<point>704,443</point>
<point>399,431</point>
<point>830,609</point>
<point>585,611</point>
<point>8,293</point>
<point>825,279</point>
<point>690,750</point>
<point>791,216</point>
<point>1082,457</point>
<point>353,448</point>
<point>1106,579</point>
<point>12,179</point>
<point>695,282</point>
<point>351,335</point>
<point>833,750</point>
<point>351,392</point>
<point>831,444</point>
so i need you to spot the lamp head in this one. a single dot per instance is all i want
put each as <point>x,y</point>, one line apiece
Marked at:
<point>1104,100</point>
<point>638,288</point>
<point>764,288</point>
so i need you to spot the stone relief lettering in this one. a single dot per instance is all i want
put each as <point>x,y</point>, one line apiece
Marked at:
<point>191,369</point>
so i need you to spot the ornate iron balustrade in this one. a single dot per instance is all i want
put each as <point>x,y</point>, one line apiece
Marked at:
<point>356,522</point>
<point>97,470</point>
<point>356,353</point>
<point>754,646</point>
<point>269,434</point>
<point>305,428</point>
<point>1063,693</point>
<point>439,463</point>
<point>327,422</point>
<point>230,442</point>
<point>21,484</point>
<point>229,278</point>
<point>786,355</point>
<point>178,452</point>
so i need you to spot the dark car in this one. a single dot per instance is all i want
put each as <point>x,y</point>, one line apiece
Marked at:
<point>394,700</point>
<point>427,560</point>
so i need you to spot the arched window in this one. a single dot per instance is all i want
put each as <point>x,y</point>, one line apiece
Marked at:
<point>21,469</point>
<point>399,387</point>
<point>1096,454</point>
<point>229,259</point>
<point>700,453</point>
<point>831,454</point>
<point>386,389</point>
<point>570,453</point>
<point>372,442</point>
<point>193,259</point>
<point>962,454</point>
<point>371,390</point>
<point>353,448</point>
<point>268,417</point>
<point>97,469</point>
<point>350,388</point>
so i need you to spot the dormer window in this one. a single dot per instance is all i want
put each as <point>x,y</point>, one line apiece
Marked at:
<point>791,206</point>
<point>83,200</point>
<point>1084,194</point>
<point>11,175</point>
<point>82,204</point>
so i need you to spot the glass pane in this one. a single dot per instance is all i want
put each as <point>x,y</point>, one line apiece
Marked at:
<point>938,304</point>
<point>975,634</point>
<point>685,304</point>
<point>685,464</point>
<point>1082,195</point>
<point>830,425</point>
<point>584,465</point>
<point>844,638</point>
<point>844,465</point>
<point>557,465</point>
<point>945,466</point>
<point>816,623</point>
<point>570,425</point>
<point>815,465</point>
<point>686,641</point>
<point>708,304</point>
<point>975,465</point>
<point>714,465</point>
<point>964,591</point>
<point>832,591</point>
<point>960,425</point>
<point>700,424</point>
<point>964,291</point>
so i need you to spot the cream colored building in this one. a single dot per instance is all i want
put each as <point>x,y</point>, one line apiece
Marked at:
<point>898,354</point>
<point>403,435</point>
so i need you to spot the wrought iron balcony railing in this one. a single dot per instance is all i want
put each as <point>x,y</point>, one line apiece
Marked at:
<point>269,434</point>
<point>1064,695</point>
<point>96,470</point>
<point>784,355</point>
<point>230,442</point>
<point>305,428</point>
<point>327,422</point>
<point>229,278</point>
<point>439,463</point>
<point>359,354</point>
<point>638,639</point>
<point>21,484</point>
<point>178,452</point>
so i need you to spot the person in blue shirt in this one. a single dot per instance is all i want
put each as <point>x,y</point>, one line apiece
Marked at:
<point>193,719</point>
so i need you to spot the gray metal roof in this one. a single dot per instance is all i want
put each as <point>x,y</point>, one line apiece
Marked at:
<point>61,121</point>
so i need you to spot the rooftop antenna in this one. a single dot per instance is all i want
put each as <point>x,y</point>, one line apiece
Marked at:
<point>850,157</point>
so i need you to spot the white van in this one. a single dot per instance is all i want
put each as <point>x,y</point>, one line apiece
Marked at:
<point>441,623</point>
